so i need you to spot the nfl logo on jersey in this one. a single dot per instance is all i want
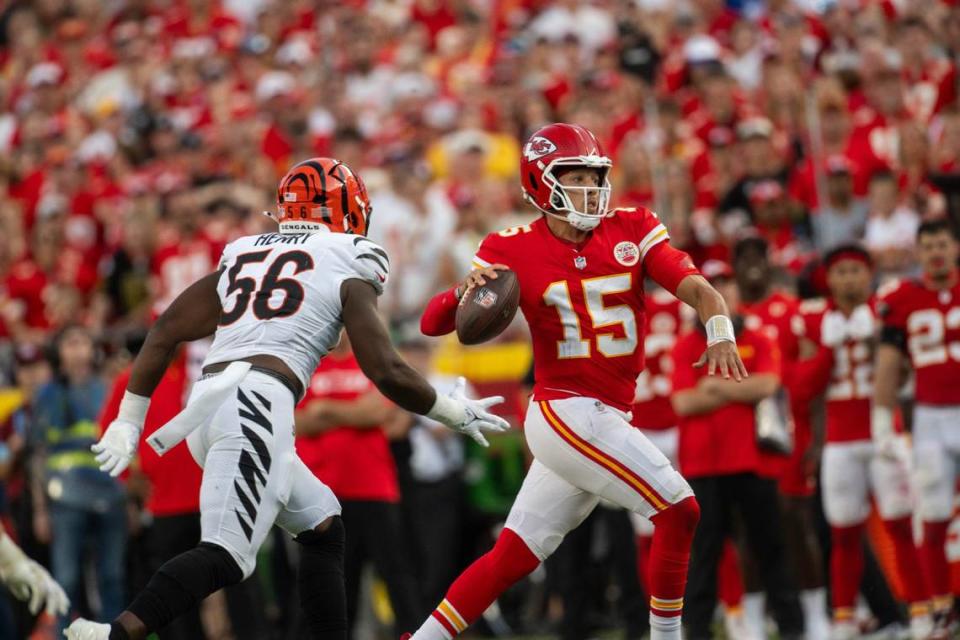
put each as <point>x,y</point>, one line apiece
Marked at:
<point>485,298</point>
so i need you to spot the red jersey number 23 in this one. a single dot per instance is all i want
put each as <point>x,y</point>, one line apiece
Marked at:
<point>599,316</point>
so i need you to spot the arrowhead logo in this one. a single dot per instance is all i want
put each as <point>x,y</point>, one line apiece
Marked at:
<point>537,147</point>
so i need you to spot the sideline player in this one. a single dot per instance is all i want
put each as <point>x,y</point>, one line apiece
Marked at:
<point>841,331</point>
<point>581,270</point>
<point>276,307</point>
<point>921,321</point>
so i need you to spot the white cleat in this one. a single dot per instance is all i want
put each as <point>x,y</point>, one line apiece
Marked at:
<point>921,627</point>
<point>846,630</point>
<point>735,624</point>
<point>82,629</point>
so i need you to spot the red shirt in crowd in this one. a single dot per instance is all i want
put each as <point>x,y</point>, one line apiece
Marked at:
<point>355,463</point>
<point>174,478</point>
<point>724,441</point>
<point>652,408</point>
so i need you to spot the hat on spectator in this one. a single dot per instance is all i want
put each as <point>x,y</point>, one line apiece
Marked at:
<point>838,164</point>
<point>757,127</point>
<point>700,49</point>
<point>27,353</point>
<point>765,191</point>
<point>273,84</point>
<point>720,136</point>
<point>714,270</point>
<point>45,73</point>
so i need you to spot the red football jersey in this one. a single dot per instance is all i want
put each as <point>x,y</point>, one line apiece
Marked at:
<point>651,404</point>
<point>585,303</point>
<point>925,322</point>
<point>849,391</point>
<point>355,463</point>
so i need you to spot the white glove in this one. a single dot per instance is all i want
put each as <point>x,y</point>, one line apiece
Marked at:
<point>886,441</point>
<point>467,416</point>
<point>30,582</point>
<point>117,446</point>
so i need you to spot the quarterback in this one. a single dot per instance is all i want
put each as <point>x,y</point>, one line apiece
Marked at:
<point>275,307</point>
<point>581,270</point>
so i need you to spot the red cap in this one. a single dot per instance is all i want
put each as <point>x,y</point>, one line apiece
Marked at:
<point>765,191</point>
<point>714,270</point>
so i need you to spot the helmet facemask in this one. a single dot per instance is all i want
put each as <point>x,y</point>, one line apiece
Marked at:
<point>571,203</point>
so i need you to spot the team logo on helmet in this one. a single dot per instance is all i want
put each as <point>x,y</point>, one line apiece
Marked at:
<point>627,253</point>
<point>485,298</point>
<point>537,147</point>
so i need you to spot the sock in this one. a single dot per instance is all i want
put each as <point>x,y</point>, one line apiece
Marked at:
<point>183,582</point>
<point>907,560</point>
<point>846,568</point>
<point>323,595</point>
<point>815,621</point>
<point>117,632</point>
<point>729,580</point>
<point>754,613</point>
<point>669,559</point>
<point>477,587</point>
<point>644,543</point>
<point>934,557</point>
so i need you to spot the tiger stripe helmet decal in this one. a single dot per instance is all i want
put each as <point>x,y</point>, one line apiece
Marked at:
<point>323,192</point>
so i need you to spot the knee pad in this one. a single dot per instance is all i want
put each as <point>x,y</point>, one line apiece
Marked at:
<point>682,516</point>
<point>335,536</point>
<point>512,557</point>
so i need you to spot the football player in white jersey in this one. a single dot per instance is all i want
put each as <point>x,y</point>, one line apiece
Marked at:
<point>275,307</point>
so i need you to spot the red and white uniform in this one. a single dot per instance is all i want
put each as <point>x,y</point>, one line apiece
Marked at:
<point>585,307</point>
<point>851,470</point>
<point>925,323</point>
<point>778,315</point>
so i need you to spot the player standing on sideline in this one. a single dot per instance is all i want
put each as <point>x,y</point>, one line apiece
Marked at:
<point>841,332</point>
<point>275,307</point>
<point>581,270</point>
<point>921,321</point>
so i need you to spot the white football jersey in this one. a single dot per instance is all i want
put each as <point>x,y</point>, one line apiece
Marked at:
<point>280,295</point>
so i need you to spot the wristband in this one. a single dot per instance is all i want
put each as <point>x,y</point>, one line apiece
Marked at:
<point>133,408</point>
<point>448,411</point>
<point>719,329</point>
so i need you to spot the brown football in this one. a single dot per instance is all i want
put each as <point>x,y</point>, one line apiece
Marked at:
<point>486,311</point>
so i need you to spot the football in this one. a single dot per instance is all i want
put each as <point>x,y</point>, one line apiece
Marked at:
<point>486,311</point>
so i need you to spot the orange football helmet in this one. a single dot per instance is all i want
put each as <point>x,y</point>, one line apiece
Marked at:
<point>323,192</point>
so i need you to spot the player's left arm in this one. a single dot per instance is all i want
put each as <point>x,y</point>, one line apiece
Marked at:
<point>193,315</point>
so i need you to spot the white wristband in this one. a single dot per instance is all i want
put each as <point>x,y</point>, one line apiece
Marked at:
<point>448,411</point>
<point>133,408</point>
<point>719,329</point>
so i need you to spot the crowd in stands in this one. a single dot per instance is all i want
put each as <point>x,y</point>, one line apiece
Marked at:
<point>138,137</point>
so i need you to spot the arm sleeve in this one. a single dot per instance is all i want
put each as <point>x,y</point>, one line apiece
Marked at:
<point>893,330</point>
<point>668,266</point>
<point>440,316</point>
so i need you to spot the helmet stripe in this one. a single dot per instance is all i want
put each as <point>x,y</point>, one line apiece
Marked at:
<point>344,201</point>
<point>321,197</point>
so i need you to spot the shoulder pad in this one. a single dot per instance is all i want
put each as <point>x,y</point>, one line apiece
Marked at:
<point>368,260</point>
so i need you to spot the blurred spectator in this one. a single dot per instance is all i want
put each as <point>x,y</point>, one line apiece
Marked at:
<point>340,430</point>
<point>891,227</point>
<point>842,218</point>
<point>77,505</point>
<point>720,458</point>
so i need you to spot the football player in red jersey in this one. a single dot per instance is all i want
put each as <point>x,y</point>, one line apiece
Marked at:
<point>581,270</point>
<point>778,313</point>
<point>921,321</point>
<point>840,332</point>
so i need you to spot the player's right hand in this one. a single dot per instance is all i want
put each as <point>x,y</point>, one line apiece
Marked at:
<point>478,278</point>
<point>117,447</point>
<point>477,416</point>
